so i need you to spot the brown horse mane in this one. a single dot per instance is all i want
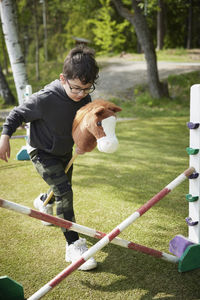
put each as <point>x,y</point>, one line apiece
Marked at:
<point>88,108</point>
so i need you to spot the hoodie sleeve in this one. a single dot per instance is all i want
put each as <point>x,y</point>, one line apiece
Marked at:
<point>29,111</point>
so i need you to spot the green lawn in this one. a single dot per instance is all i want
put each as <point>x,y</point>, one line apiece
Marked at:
<point>107,189</point>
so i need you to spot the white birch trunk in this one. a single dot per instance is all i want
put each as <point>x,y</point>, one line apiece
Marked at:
<point>14,50</point>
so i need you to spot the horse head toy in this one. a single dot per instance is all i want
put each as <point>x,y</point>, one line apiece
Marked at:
<point>94,125</point>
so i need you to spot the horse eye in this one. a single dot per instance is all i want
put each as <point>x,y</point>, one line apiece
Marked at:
<point>99,123</point>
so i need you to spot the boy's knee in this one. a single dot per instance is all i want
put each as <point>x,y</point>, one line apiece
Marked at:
<point>62,189</point>
<point>64,203</point>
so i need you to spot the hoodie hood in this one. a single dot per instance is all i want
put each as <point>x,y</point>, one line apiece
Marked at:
<point>56,88</point>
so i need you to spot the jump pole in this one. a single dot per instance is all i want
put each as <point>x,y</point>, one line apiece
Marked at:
<point>110,236</point>
<point>86,230</point>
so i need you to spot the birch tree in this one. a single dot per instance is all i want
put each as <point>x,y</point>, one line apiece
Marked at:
<point>14,50</point>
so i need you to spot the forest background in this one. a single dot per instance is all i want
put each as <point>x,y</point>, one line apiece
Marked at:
<point>49,29</point>
<point>99,22</point>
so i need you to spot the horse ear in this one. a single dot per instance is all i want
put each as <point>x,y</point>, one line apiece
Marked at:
<point>99,110</point>
<point>115,108</point>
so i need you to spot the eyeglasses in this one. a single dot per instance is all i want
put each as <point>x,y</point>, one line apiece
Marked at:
<point>78,90</point>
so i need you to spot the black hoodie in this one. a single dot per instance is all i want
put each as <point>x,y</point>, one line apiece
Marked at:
<point>50,113</point>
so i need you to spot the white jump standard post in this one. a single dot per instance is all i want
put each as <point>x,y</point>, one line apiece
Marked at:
<point>194,152</point>
<point>23,152</point>
<point>188,249</point>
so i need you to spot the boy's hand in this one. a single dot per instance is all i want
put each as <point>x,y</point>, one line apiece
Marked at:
<point>4,147</point>
<point>79,151</point>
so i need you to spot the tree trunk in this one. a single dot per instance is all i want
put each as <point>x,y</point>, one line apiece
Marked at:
<point>160,25</point>
<point>45,29</point>
<point>137,19</point>
<point>189,33</point>
<point>13,47</point>
<point>5,91</point>
<point>5,59</point>
<point>36,42</point>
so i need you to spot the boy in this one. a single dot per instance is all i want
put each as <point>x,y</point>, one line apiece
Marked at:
<point>51,112</point>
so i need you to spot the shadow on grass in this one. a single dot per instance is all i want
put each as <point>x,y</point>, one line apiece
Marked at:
<point>160,279</point>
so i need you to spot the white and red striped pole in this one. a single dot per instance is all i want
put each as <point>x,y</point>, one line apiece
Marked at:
<point>85,230</point>
<point>110,236</point>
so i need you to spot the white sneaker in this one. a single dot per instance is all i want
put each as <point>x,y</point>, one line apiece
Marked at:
<point>48,209</point>
<point>75,251</point>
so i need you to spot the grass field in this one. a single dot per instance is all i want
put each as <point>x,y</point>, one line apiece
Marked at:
<point>107,189</point>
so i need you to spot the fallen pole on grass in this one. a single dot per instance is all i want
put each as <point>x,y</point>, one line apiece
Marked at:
<point>85,230</point>
<point>110,236</point>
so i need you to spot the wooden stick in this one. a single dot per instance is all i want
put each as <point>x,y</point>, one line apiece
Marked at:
<point>66,170</point>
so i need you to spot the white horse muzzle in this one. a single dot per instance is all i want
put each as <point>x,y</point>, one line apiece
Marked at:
<point>108,143</point>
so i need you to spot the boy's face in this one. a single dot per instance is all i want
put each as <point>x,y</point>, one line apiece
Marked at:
<point>75,89</point>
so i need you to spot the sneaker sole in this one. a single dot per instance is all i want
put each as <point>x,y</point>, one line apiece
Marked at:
<point>82,267</point>
<point>92,267</point>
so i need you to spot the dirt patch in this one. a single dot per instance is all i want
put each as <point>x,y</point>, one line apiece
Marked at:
<point>119,77</point>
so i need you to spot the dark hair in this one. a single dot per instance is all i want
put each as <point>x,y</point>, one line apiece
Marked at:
<point>80,63</point>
